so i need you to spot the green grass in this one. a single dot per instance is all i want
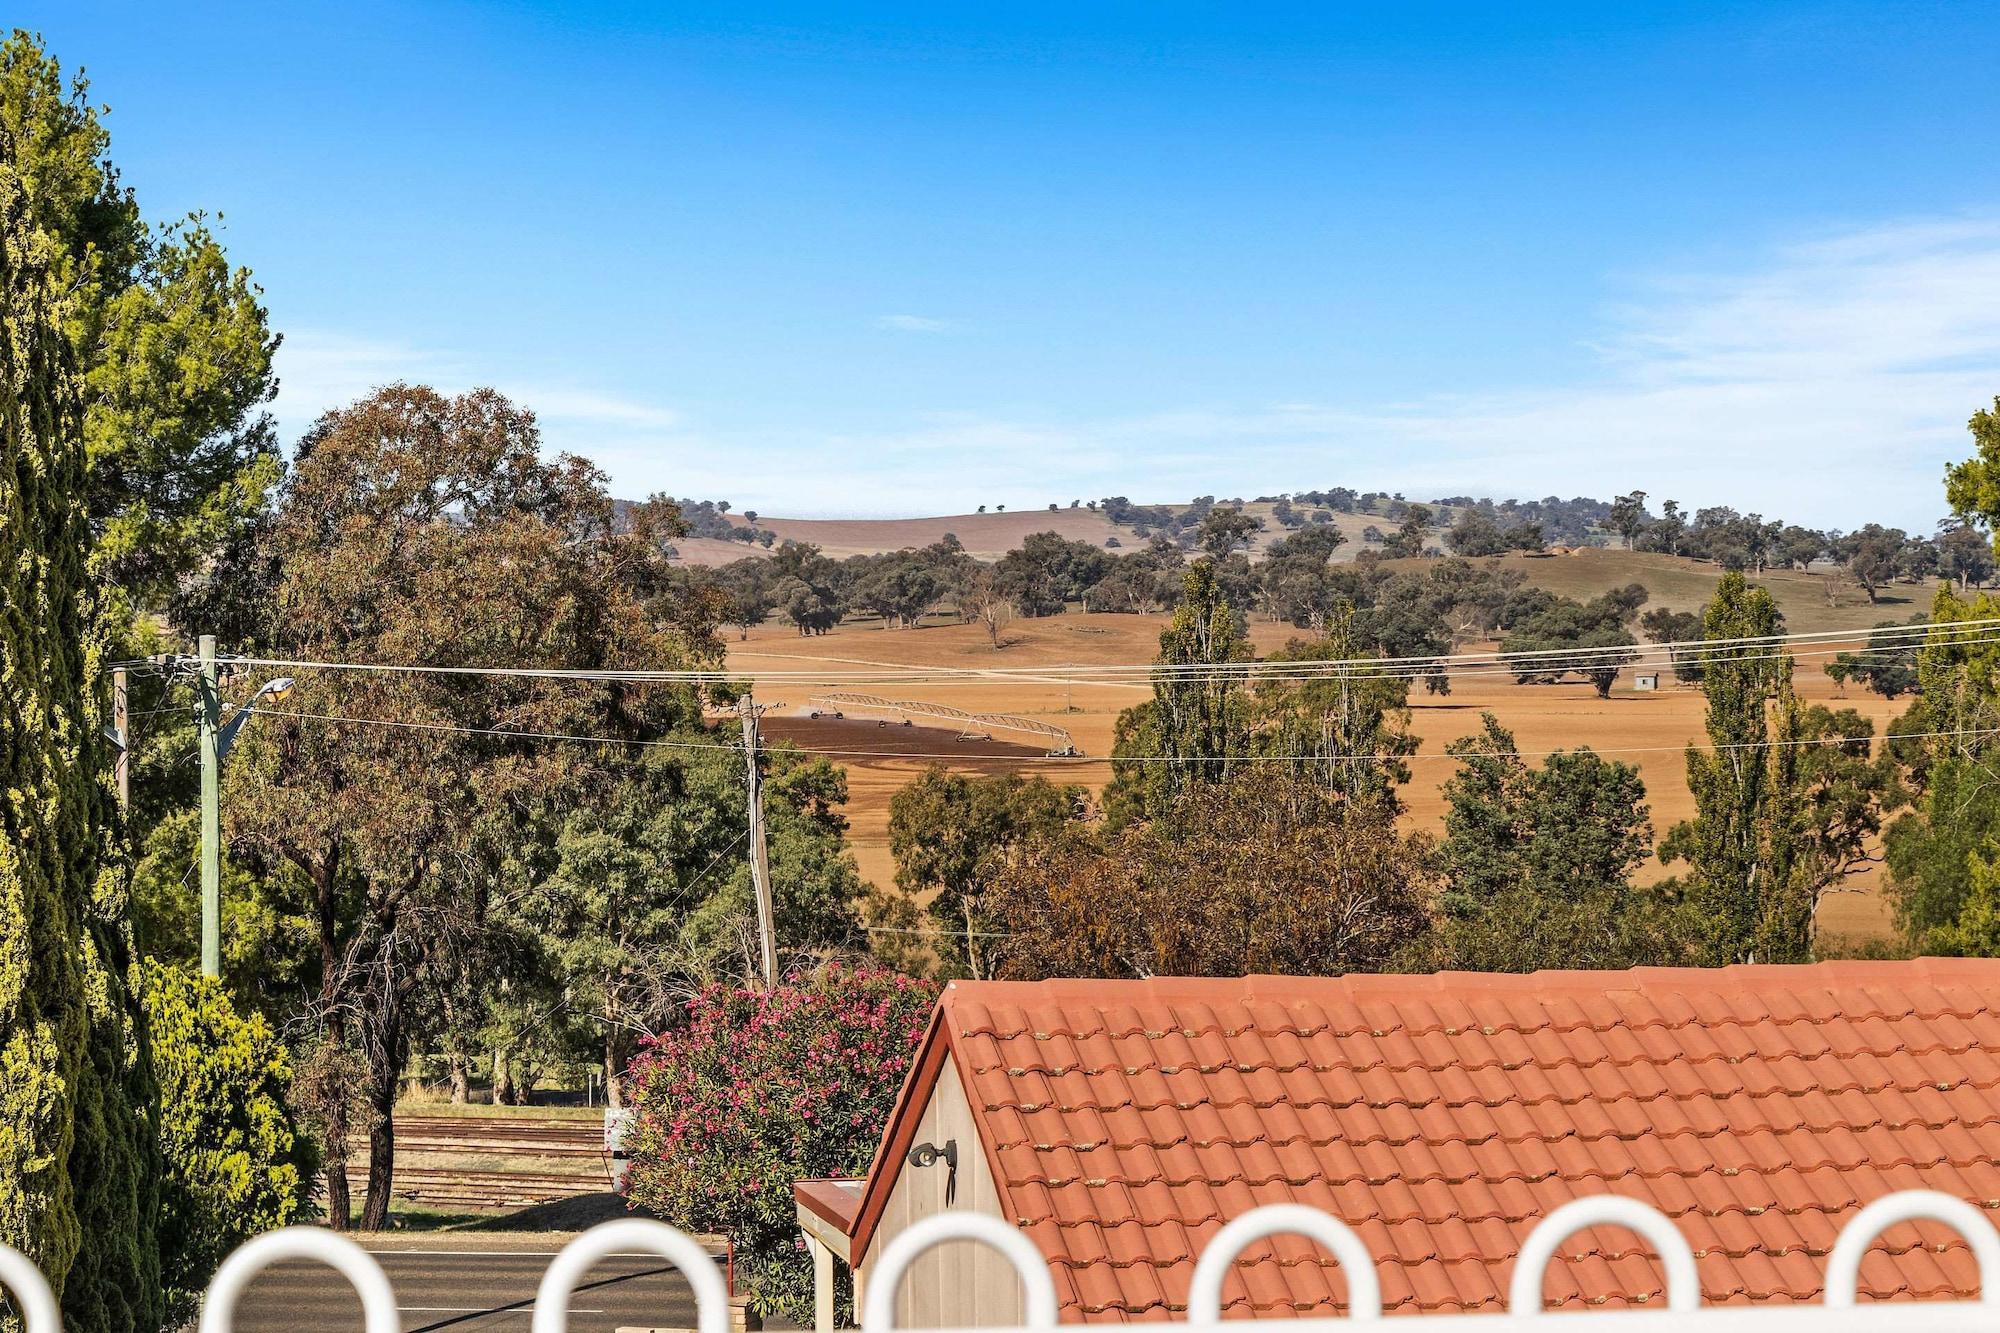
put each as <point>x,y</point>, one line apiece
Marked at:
<point>409,1217</point>
<point>1686,585</point>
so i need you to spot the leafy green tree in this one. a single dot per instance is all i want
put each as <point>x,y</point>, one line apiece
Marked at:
<point>1974,930</point>
<point>1584,639</point>
<point>1196,726</point>
<point>1666,534</point>
<point>1295,580</point>
<point>1047,571</point>
<point>900,588</point>
<point>1874,556</point>
<point>1965,554</point>
<point>1798,547</point>
<point>1887,665</point>
<point>950,832</point>
<point>808,587</point>
<point>646,895</point>
<point>78,1156</point>
<point>1409,538</point>
<point>748,591</point>
<point>1735,870</point>
<point>1972,487</point>
<point>1348,729</point>
<point>1142,583</point>
<point>1263,872</point>
<point>1628,517</point>
<point>1225,530</point>
<point>1477,534</point>
<point>1787,797</point>
<point>234,1159</point>
<point>416,527</point>
<point>1661,625</point>
<point>172,345</point>
<point>1537,862</point>
<point>1951,730</point>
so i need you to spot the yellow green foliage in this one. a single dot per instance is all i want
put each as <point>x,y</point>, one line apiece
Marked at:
<point>234,1161</point>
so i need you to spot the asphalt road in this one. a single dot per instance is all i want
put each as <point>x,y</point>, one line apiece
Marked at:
<point>469,1290</point>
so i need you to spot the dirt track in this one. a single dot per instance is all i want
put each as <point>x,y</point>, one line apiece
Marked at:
<point>453,1162</point>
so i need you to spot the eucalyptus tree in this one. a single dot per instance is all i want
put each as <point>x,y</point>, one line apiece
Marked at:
<point>416,529</point>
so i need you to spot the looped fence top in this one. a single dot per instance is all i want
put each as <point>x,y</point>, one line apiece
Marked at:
<point>1843,1264</point>
<point>697,1265</point>
<point>885,1274</point>
<point>1364,1287</point>
<point>34,1299</point>
<point>1524,1290</point>
<point>378,1300</point>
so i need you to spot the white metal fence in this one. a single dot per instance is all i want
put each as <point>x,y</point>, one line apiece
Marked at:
<point>1682,1312</point>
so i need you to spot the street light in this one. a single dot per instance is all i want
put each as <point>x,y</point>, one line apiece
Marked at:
<point>275,690</point>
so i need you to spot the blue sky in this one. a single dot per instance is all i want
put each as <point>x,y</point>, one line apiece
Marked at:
<point>894,260</point>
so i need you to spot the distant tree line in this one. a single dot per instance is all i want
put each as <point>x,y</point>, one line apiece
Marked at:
<point>1253,828</point>
<point>1050,571</point>
<point>710,518</point>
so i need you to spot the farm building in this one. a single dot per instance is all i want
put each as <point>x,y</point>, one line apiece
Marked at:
<point>1121,1124</point>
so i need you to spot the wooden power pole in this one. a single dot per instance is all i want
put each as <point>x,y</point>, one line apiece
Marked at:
<point>760,867</point>
<point>121,727</point>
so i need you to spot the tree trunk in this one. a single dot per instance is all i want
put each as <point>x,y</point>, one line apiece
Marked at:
<point>339,1207</point>
<point>385,1061</point>
<point>381,1163</point>
<point>617,1055</point>
<point>461,1079</point>
<point>503,1078</point>
<point>325,872</point>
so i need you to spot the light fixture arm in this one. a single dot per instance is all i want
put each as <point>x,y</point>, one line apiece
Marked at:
<point>225,736</point>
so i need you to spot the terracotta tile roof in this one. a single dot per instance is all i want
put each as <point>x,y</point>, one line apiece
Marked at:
<point>1442,1116</point>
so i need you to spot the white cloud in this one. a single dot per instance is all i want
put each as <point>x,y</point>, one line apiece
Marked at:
<point>915,324</point>
<point>320,370</point>
<point>1827,383</point>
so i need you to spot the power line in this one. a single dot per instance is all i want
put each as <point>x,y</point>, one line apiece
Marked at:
<point>1279,671</point>
<point>1895,638</point>
<point>502,733</point>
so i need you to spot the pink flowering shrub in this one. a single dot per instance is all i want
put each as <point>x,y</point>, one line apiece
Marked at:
<point>756,1090</point>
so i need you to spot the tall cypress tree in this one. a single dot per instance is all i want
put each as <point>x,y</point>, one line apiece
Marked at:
<point>1786,796</point>
<point>1733,782</point>
<point>78,1189</point>
<point>1195,726</point>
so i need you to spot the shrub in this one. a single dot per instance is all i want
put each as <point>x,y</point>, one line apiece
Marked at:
<point>234,1161</point>
<point>756,1090</point>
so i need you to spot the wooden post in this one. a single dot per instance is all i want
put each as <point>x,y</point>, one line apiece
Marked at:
<point>121,725</point>
<point>822,1259</point>
<point>760,869</point>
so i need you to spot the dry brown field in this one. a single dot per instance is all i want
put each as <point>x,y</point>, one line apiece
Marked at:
<point>985,536</point>
<point>1649,730</point>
